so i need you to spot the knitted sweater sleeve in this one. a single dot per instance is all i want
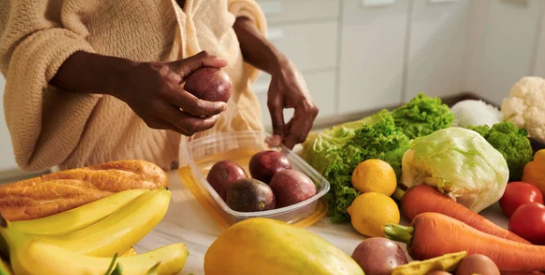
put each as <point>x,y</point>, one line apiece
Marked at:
<point>251,10</point>
<point>36,37</point>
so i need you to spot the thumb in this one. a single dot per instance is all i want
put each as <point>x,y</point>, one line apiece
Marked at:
<point>185,67</point>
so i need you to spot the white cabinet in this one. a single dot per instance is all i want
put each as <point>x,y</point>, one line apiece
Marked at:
<point>437,46</point>
<point>372,53</point>
<point>307,32</point>
<point>539,64</point>
<point>289,11</point>
<point>508,45</point>
<point>362,55</point>
<point>7,159</point>
<point>311,46</point>
<point>321,86</point>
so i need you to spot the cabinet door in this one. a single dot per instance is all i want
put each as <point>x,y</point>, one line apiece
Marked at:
<point>7,161</point>
<point>284,11</point>
<point>539,65</point>
<point>373,42</point>
<point>311,46</point>
<point>437,47</point>
<point>509,41</point>
<point>320,84</point>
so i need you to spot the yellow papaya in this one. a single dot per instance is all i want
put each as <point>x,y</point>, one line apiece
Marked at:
<point>262,246</point>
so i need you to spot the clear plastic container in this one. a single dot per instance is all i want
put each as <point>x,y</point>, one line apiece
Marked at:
<point>198,156</point>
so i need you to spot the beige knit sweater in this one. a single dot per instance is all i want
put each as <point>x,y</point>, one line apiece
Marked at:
<point>49,127</point>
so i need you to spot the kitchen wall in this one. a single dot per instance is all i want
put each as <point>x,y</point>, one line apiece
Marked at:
<point>361,55</point>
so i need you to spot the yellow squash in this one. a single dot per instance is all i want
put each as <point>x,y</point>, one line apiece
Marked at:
<point>268,247</point>
<point>447,262</point>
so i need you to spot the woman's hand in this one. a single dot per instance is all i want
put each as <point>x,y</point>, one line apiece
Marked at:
<point>152,89</point>
<point>288,89</point>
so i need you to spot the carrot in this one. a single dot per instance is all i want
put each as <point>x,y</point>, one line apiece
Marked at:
<point>421,199</point>
<point>432,235</point>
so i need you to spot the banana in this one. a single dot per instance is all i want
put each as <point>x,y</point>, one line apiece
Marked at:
<point>37,257</point>
<point>78,218</point>
<point>121,230</point>
<point>130,252</point>
<point>4,252</point>
<point>112,235</point>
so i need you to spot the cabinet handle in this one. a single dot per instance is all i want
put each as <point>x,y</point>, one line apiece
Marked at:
<point>377,3</point>
<point>275,34</point>
<point>271,8</point>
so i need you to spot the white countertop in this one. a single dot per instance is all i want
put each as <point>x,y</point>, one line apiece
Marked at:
<point>188,223</point>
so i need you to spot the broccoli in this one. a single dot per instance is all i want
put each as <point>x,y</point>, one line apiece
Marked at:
<point>511,142</point>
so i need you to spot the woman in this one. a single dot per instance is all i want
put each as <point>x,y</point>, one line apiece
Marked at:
<point>94,81</point>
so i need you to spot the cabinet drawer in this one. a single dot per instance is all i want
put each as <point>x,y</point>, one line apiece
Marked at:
<point>371,66</point>
<point>299,10</point>
<point>320,84</point>
<point>310,46</point>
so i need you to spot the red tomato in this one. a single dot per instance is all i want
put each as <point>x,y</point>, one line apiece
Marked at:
<point>528,221</point>
<point>517,194</point>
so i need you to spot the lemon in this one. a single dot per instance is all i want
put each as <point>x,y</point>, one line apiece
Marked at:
<point>370,211</point>
<point>374,175</point>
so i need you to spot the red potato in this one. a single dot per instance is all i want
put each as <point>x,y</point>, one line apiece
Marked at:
<point>528,221</point>
<point>432,235</point>
<point>224,173</point>
<point>265,164</point>
<point>477,264</point>
<point>517,194</point>
<point>291,187</point>
<point>210,84</point>
<point>379,256</point>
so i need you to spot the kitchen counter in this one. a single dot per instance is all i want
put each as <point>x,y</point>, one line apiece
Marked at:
<point>188,223</point>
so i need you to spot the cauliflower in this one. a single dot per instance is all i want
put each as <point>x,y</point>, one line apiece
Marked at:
<point>475,112</point>
<point>525,106</point>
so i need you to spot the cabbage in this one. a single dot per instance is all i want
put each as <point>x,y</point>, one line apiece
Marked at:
<point>459,163</point>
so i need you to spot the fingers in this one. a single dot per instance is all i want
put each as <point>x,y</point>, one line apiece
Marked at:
<point>186,124</point>
<point>186,66</point>
<point>299,126</point>
<point>277,117</point>
<point>192,105</point>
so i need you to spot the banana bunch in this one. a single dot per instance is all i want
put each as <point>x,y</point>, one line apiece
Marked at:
<point>86,240</point>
